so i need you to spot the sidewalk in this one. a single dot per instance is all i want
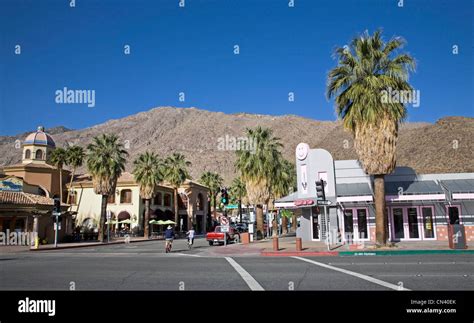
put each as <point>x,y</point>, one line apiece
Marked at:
<point>287,247</point>
<point>15,249</point>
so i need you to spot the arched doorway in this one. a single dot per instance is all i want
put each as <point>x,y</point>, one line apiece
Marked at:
<point>124,222</point>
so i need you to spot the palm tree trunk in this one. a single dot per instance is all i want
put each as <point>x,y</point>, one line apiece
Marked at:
<point>103,210</point>
<point>176,216</point>
<point>146,225</point>
<point>70,184</point>
<point>259,215</point>
<point>293,222</point>
<point>209,216</point>
<point>380,211</point>
<point>284,225</point>
<point>214,195</point>
<point>60,184</point>
<point>240,210</point>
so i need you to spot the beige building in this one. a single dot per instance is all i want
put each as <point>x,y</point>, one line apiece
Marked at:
<point>127,205</point>
<point>27,188</point>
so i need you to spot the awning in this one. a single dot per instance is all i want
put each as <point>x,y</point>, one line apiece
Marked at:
<point>413,191</point>
<point>461,189</point>
<point>354,192</point>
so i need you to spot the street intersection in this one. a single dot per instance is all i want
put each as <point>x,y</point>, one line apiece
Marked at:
<point>145,266</point>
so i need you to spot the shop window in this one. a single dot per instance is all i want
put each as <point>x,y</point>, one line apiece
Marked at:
<point>453,214</point>
<point>72,198</point>
<point>428,229</point>
<point>158,199</point>
<point>199,202</point>
<point>167,200</point>
<point>126,196</point>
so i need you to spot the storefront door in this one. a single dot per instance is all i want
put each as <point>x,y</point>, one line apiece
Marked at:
<point>355,224</point>
<point>405,223</point>
<point>315,225</point>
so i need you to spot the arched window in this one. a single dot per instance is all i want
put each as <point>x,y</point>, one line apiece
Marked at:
<point>126,196</point>
<point>39,154</point>
<point>167,200</point>
<point>199,202</point>
<point>72,198</point>
<point>158,199</point>
<point>27,154</point>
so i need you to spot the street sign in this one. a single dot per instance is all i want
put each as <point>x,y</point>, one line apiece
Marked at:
<point>224,221</point>
<point>324,202</point>
<point>56,213</point>
<point>224,228</point>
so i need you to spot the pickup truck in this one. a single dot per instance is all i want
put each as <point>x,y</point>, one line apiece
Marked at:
<point>218,236</point>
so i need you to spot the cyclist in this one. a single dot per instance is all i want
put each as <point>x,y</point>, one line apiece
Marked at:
<point>190,235</point>
<point>169,236</point>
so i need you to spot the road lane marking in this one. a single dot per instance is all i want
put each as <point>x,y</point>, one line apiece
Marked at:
<point>348,272</point>
<point>185,254</point>
<point>251,282</point>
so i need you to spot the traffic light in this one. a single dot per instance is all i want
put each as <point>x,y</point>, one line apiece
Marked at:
<point>320,195</point>
<point>224,196</point>
<point>57,205</point>
<point>57,208</point>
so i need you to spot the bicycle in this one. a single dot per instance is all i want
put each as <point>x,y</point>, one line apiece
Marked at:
<point>168,245</point>
<point>190,243</point>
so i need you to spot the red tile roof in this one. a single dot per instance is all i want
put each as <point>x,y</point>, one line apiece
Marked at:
<point>23,198</point>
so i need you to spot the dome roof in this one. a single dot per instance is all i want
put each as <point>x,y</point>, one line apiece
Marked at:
<point>39,138</point>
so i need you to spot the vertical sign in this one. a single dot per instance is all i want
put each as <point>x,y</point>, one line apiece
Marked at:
<point>304,180</point>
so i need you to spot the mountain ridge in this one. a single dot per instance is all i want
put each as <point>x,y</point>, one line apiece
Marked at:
<point>443,147</point>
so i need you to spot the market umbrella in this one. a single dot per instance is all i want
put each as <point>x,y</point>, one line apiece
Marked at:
<point>169,222</point>
<point>111,222</point>
<point>127,221</point>
<point>153,222</point>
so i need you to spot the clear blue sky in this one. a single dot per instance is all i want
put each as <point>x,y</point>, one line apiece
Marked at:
<point>190,49</point>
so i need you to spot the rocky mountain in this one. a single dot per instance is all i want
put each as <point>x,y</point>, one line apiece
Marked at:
<point>206,137</point>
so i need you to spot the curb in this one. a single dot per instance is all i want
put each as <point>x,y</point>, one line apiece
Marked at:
<point>402,252</point>
<point>89,245</point>
<point>297,253</point>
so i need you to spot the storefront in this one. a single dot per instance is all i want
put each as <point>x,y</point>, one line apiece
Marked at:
<point>419,206</point>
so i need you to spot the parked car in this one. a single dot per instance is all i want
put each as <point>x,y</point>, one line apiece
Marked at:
<point>218,236</point>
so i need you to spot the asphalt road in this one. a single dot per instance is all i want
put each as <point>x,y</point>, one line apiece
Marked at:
<point>145,266</point>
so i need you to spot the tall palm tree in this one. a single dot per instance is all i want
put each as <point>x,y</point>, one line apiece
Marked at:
<point>368,69</point>
<point>105,163</point>
<point>148,174</point>
<point>238,191</point>
<point>176,172</point>
<point>284,182</point>
<point>258,167</point>
<point>58,158</point>
<point>75,159</point>
<point>214,182</point>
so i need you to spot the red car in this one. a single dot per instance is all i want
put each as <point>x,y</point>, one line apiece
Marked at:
<point>218,236</point>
